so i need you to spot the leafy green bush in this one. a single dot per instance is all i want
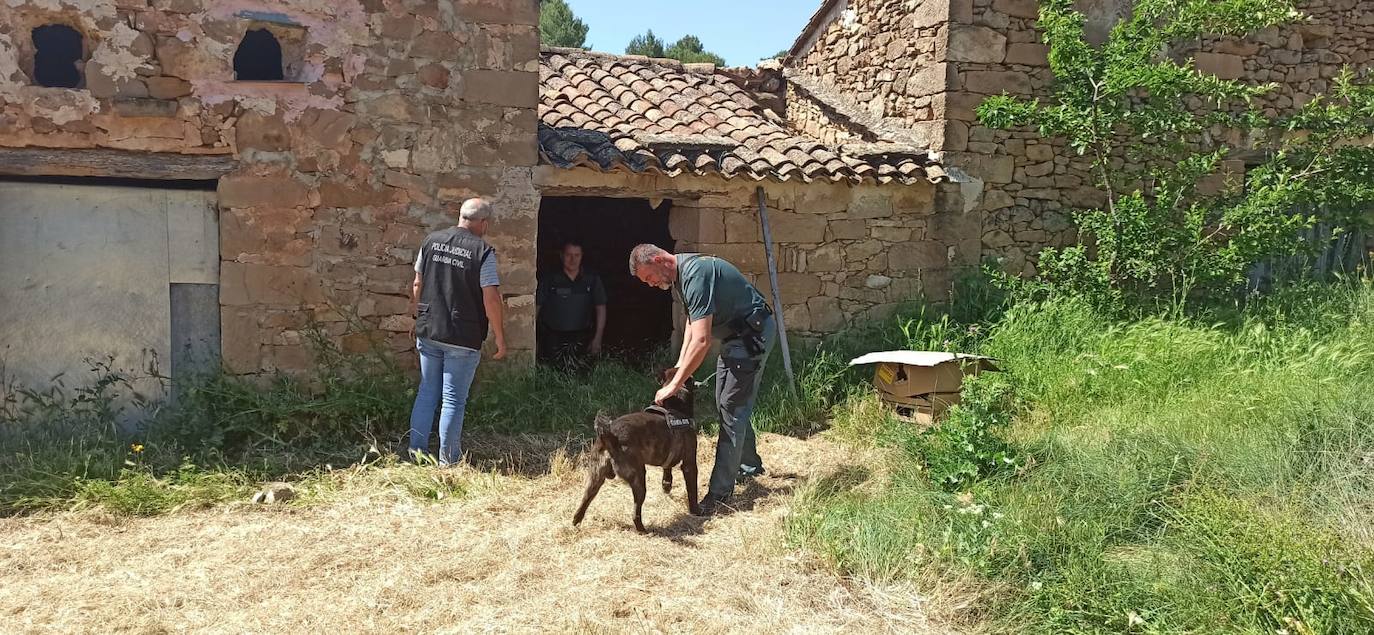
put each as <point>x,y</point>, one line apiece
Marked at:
<point>1154,129</point>
<point>969,444</point>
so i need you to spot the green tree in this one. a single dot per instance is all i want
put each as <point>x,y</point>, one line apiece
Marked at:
<point>647,44</point>
<point>1148,124</point>
<point>689,49</point>
<point>559,27</point>
<point>779,55</point>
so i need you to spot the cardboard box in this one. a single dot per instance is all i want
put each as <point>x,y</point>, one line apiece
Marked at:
<point>924,410</point>
<point>926,383</point>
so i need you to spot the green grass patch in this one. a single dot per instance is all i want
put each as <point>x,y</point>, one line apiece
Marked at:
<point>223,436</point>
<point>1147,475</point>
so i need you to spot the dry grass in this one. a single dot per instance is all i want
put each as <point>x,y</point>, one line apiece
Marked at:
<point>503,557</point>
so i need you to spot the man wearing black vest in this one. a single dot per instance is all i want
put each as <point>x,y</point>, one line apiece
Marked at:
<point>456,296</point>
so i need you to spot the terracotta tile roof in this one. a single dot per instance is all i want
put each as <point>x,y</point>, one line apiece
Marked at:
<point>661,116</point>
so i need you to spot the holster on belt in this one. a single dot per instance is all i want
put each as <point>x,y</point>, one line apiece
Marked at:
<point>749,330</point>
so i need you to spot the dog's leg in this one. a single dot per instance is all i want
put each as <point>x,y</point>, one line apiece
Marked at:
<point>637,485</point>
<point>596,476</point>
<point>689,477</point>
<point>667,480</point>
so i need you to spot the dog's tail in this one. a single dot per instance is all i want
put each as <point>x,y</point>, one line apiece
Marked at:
<point>605,443</point>
<point>601,422</point>
<point>605,440</point>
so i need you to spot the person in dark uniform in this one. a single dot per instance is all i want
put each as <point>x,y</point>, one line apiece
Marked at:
<point>572,311</point>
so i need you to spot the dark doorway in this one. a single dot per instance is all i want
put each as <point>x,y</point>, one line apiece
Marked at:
<point>639,318</point>
<point>258,57</point>
<point>57,49</point>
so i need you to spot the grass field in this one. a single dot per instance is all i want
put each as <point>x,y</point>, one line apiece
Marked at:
<point>1211,473</point>
<point>1150,475</point>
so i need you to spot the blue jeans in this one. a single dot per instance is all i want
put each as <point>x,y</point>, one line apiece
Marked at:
<point>447,371</point>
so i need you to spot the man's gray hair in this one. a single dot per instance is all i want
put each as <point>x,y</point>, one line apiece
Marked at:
<point>475,209</point>
<point>643,254</point>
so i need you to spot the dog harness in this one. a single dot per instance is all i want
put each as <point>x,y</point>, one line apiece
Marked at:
<point>675,419</point>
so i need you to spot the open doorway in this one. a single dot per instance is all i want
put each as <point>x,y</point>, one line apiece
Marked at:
<point>639,318</point>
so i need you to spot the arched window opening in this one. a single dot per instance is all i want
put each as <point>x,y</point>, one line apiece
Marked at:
<point>258,57</point>
<point>57,51</point>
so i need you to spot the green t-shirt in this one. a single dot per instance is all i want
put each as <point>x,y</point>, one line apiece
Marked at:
<point>711,286</point>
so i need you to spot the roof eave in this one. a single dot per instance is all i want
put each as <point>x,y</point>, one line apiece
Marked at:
<point>819,19</point>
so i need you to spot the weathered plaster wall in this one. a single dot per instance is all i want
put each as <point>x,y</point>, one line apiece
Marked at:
<point>405,109</point>
<point>844,254</point>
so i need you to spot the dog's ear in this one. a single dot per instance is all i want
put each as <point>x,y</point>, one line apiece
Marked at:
<point>667,374</point>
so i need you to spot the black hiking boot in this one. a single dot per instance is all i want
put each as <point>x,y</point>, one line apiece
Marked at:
<point>711,505</point>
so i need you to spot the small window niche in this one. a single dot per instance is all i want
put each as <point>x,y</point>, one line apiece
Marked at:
<point>58,56</point>
<point>272,50</point>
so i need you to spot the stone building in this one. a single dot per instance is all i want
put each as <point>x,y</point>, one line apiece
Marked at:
<point>218,175</point>
<point>916,69</point>
<point>189,180</point>
<point>856,227</point>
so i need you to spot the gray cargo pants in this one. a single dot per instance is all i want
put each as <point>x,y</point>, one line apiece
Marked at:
<point>737,386</point>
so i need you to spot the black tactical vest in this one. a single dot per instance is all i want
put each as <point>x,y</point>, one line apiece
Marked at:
<point>450,308</point>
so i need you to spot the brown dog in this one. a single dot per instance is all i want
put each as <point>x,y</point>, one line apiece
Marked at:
<point>624,446</point>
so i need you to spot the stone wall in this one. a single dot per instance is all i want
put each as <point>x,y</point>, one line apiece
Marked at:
<point>1029,211</point>
<point>886,56</point>
<point>401,110</point>
<point>1301,58</point>
<point>934,61</point>
<point>844,254</point>
<point>879,63</point>
<point>1029,184</point>
<point>814,119</point>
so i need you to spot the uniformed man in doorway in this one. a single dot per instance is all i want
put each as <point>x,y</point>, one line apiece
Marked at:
<point>571,303</point>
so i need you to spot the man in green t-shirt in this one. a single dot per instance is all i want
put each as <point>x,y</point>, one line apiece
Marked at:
<point>720,304</point>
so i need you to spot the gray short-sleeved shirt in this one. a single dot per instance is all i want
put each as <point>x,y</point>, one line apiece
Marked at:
<point>486,276</point>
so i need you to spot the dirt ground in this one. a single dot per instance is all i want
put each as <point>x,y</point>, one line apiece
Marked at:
<point>504,558</point>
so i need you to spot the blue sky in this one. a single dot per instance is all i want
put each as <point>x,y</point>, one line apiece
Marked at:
<point>741,31</point>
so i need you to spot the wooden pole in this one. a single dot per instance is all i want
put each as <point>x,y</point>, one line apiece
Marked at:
<point>777,294</point>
